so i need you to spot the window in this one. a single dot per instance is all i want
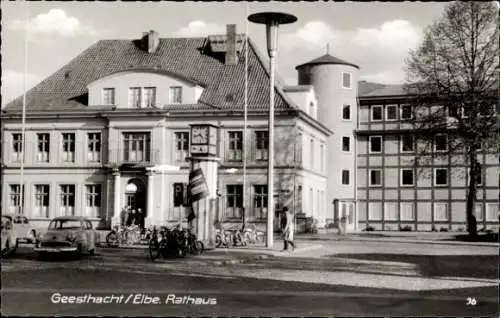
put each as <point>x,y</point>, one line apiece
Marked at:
<point>94,147</point>
<point>407,212</point>
<point>261,145</point>
<point>235,146</point>
<point>377,113</point>
<point>440,143</point>
<point>391,112</point>
<point>42,195</point>
<point>137,147</point>
<point>234,201</point>
<point>345,177</point>
<point>311,153</point>
<point>134,97</point>
<point>440,177</point>
<point>260,201</point>
<point>149,96</point>
<point>375,144</point>
<point>68,145</point>
<point>492,212</point>
<point>181,146</point>
<point>17,147</point>
<point>406,112</point>
<point>175,95</point>
<point>43,141</point>
<point>407,143</point>
<point>407,177</point>
<point>375,211</point>
<point>67,195</point>
<point>321,157</point>
<point>93,200</point>
<point>376,177</point>
<point>108,96</point>
<point>478,212</point>
<point>390,211</point>
<point>346,112</point>
<point>15,199</point>
<point>346,144</point>
<point>440,211</point>
<point>346,80</point>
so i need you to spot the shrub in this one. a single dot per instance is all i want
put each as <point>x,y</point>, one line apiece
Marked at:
<point>406,228</point>
<point>369,228</point>
<point>443,229</point>
<point>434,229</point>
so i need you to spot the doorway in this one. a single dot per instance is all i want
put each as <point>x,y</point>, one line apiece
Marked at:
<point>135,195</point>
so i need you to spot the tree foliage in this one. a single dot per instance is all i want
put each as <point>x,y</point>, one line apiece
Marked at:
<point>453,78</point>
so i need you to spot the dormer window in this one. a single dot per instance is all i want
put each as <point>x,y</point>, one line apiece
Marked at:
<point>149,96</point>
<point>134,97</point>
<point>175,95</point>
<point>346,80</point>
<point>108,96</point>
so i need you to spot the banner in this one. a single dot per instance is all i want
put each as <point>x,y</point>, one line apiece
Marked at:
<point>197,188</point>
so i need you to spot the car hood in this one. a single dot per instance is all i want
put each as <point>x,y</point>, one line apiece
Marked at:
<point>59,234</point>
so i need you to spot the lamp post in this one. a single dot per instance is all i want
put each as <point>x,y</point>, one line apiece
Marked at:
<point>272,20</point>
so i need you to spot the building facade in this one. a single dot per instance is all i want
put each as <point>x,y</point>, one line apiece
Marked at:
<point>111,129</point>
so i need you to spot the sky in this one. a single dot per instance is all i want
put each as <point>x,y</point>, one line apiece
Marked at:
<point>377,36</point>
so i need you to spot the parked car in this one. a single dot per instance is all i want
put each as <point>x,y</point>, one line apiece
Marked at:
<point>22,228</point>
<point>68,234</point>
<point>9,240</point>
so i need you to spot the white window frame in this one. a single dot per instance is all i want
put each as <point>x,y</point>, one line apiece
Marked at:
<point>492,209</point>
<point>17,155</point>
<point>403,204</point>
<point>370,144</point>
<point>401,144</point>
<point>236,210</point>
<point>147,101</point>
<point>350,80</point>
<point>370,177</point>
<point>43,156</point>
<point>436,204</point>
<point>401,112</point>
<point>108,92</point>
<point>261,145</point>
<point>136,139</point>
<point>132,103</point>
<point>15,205</point>
<point>435,177</point>
<point>181,154</point>
<point>68,156</point>
<point>260,213</point>
<point>171,95</point>
<point>387,118</point>
<point>92,191</point>
<point>348,106</point>
<point>40,195</point>
<point>401,178</point>
<point>65,208</point>
<point>94,146</point>
<point>235,154</point>
<point>381,113</point>
<point>348,144</point>
<point>435,143</point>
<point>348,177</point>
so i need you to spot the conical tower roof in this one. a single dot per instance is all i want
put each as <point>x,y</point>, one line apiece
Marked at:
<point>327,59</point>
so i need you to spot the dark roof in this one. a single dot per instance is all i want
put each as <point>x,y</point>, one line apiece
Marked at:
<point>386,90</point>
<point>327,59</point>
<point>188,58</point>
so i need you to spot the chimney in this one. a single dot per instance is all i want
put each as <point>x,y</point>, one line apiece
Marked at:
<point>150,41</point>
<point>231,57</point>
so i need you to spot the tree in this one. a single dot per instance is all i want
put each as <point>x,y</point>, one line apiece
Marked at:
<point>452,82</point>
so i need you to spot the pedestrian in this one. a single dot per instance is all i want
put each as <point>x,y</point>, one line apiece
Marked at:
<point>131,218</point>
<point>287,229</point>
<point>123,217</point>
<point>139,218</point>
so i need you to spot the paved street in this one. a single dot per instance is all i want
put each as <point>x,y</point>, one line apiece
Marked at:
<point>328,278</point>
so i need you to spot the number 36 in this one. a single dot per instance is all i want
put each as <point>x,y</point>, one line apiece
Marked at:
<point>471,301</point>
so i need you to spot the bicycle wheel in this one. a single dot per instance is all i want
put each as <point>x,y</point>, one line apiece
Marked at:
<point>112,239</point>
<point>199,247</point>
<point>154,248</point>
<point>218,241</point>
<point>132,237</point>
<point>260,236</point>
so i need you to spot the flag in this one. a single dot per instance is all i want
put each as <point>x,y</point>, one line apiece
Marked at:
<point>197,187</point>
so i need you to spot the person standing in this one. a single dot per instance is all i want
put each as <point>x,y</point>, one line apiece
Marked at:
<point>131,218</point>
<point>139,218</point>
<point>287,229</point>
<point>124,216</point>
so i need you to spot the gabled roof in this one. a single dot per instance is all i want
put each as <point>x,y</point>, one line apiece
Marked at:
<point>326,59</point>
<point>189,58</point>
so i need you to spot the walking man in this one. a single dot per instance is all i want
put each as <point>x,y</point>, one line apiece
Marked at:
<point>287,224</point>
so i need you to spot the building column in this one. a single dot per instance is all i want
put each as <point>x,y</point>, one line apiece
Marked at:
<point>117,196</point>
<point>150,203</point>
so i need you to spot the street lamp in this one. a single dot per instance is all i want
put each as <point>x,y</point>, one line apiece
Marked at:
<point>272,20</point>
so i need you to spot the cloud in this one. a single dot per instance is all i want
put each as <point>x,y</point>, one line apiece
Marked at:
<point>200,28</point>
<point>379,51</point>
<point>55,21</point>
<point>13,83</point>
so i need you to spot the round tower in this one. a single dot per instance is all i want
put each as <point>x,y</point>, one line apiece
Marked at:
<point>335,85</point>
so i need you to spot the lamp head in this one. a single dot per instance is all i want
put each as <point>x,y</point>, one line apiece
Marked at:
<point>272,20</point>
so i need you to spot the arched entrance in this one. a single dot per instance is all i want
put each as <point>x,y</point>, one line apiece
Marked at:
<point>135,195</point>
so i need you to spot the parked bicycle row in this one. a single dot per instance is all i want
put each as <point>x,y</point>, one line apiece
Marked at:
<point>238,236</point>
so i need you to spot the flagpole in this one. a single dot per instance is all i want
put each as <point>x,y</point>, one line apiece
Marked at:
<point>23,122</point>
<point>245,114</point>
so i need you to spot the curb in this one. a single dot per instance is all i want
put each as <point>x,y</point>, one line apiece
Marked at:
<point>397,240</point>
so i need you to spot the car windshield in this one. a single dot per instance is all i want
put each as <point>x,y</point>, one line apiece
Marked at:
<point>64,224</point>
